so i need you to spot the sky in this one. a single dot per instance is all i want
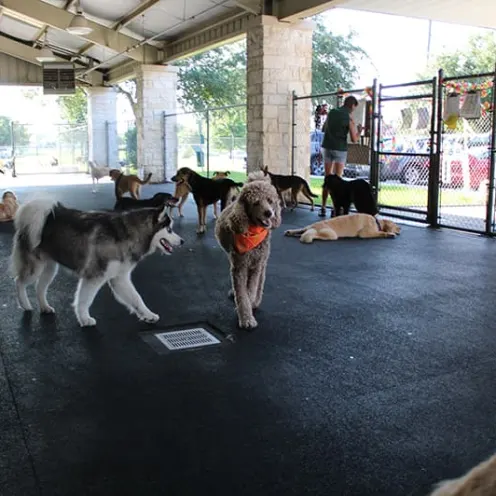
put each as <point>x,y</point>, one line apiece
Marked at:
<point>397,49</point>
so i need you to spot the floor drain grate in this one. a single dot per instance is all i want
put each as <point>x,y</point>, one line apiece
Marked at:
<point>187,338</point>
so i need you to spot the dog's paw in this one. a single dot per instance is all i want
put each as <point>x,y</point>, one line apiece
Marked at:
<point>287,233</point>
<point>87,322</point>
<point>391,235</point>
<point>150,318</point>
<point>47,310</point>
<point>248,323</point>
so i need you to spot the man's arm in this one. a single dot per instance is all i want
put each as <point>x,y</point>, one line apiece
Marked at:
<point>353,132</point>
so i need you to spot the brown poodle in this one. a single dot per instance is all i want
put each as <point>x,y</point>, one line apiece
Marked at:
<point>243,232</point>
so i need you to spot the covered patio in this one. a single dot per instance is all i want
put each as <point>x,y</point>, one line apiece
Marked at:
<point>370,373</point>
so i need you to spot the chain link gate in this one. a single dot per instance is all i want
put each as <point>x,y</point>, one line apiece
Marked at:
<point>405,155</point>
<point>467,128</point>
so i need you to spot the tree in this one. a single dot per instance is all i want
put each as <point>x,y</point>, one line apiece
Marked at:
<point>334,59</point>
<point>213,79</point>
<point>476,58</point>
<point>21,133</point>
<point>74,108</point>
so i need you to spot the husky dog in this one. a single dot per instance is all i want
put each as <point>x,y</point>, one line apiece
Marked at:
<point>100,247</point>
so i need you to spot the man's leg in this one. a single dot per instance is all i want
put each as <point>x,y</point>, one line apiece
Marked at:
<point>328,163</point>
<point>337,168</point>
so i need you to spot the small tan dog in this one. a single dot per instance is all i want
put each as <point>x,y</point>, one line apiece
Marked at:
<point>479,481</point>
<point>183,189</point>
<point>127,184</point>
<point>8,207</point>
<point>347,226</point>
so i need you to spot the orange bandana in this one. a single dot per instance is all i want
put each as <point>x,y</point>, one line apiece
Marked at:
<point>249,240</point>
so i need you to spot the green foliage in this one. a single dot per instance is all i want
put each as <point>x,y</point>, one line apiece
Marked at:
<point>213,79</point>
<point>131,140</point>
<point>74,108</point>
<point>334,59</point>
<point>20,132</point>
<point>478,57</point>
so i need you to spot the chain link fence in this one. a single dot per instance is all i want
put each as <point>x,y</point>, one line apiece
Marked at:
<point>321,104</point>
<point>466,151</point>
<point>423,164</point>
<point>211,140</point>
<point>404,147</point>
<point>57,148</point>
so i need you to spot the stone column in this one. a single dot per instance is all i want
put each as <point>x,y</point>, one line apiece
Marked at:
<point>103,144</point>
<point>157,137</point>
<point>279,61</point>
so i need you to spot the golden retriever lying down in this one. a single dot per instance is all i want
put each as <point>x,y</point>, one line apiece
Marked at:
<point>480,481</point>
<point>347,226</point>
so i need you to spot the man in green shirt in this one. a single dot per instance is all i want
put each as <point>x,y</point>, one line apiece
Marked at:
<point>335,143</point>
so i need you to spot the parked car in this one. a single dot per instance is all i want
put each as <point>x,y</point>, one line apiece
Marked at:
<point>317,160</point>
<point>479,163</point>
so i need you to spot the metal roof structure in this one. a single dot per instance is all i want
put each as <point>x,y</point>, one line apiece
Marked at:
<point>127,32</point>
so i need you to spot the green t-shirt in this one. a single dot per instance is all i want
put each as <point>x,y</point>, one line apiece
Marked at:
<point>336,130</point>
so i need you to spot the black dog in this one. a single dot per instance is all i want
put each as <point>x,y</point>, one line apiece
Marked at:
<point>206,191</point>
<point>344,193</point>
<point>157,200</point>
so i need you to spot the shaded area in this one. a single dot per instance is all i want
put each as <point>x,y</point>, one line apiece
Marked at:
<point>371,372</point>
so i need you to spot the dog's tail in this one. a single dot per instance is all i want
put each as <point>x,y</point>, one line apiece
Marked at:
<point>147,180</point>
<point>29,223</point>
<point>307,191</point>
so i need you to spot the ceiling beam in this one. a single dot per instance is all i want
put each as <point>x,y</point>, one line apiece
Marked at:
<point>54,17</point>
<point>41,32</point>
<point>208,36</point>
<point>121,72</point>
<point>137,11</point>
<point>294,10</point>
<point>28,54</point>
<point>123,21</point>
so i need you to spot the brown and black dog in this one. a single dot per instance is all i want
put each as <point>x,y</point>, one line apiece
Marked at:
<point>205,191</point>
<point>127,183</point>
<point>295,184</point>
<point>183,190</point>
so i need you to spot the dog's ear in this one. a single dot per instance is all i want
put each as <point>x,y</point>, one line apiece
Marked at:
<point>227,173</point>
<point>163,215</point>
<point>239,218</point>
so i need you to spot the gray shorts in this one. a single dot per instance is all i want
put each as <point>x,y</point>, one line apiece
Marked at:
<point>334,156</point>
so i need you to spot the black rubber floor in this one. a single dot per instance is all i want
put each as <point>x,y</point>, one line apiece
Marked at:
<point>371,373</point>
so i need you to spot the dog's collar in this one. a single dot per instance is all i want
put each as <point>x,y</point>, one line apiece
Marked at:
<point>250,239</point>
<point>378,224</point>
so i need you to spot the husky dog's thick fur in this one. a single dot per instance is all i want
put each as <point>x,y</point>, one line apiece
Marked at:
<point>100,247</point>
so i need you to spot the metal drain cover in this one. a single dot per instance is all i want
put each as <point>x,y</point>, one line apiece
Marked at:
<point>187,338</point>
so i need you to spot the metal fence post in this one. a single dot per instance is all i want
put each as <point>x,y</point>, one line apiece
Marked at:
<point>374,162</point>
<point>435,151</point>
<point>13,141</point>
<point>492,156</point>
<point>293,131</point>
<point>107,142</point>
<point>164,137</point>
<point>208,143</point>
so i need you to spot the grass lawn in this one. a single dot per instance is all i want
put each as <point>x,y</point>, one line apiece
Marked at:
<point>399,195</point>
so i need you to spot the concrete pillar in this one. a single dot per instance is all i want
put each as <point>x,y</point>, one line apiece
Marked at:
<point>157,137</point>
<point>279,61</point>
<point>102,126</point>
